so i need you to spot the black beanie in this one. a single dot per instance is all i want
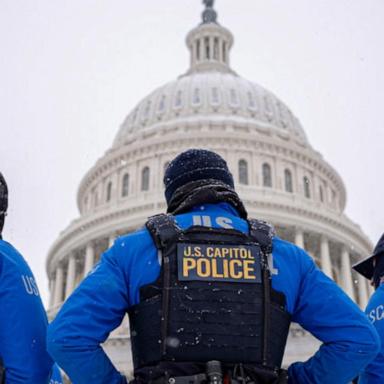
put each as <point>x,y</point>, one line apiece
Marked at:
<point>194,165</point>
<point>3,201</point>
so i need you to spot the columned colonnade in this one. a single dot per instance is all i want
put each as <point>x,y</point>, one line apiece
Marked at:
<point>335,264</point>
<point>338,266</point>
<point>74,268</point>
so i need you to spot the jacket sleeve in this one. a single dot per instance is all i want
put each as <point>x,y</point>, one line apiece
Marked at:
<point>85,320</point>
<point>350,342</point>
<point>23,326</point>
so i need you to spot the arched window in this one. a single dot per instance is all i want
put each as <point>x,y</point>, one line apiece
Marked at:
<point>215,96</point>
<point>321,193</point>
<point>178,99</point>
<point>243,172</point>
<point>267,175</point>
<point>198,50</point>
<point>95,199</point>
<point>307,187</point>
<point>125,186</point>
<point>162,103</point>
<point>196,96</point>
<point>288,180</point>
<point>109,191</point>
<point>145,179</point>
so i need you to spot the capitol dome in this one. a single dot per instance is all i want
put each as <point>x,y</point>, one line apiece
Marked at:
<point>278,174</point>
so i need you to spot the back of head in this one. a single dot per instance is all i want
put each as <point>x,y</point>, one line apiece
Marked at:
<point>378,253</point>
<point>3,201</point>
<point>195,165</point>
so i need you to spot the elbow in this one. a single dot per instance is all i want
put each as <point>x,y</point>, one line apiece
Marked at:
<point>375,342</point>
<point>54,346</point>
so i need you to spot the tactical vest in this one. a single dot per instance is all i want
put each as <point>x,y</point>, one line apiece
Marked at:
<point>213,299</point>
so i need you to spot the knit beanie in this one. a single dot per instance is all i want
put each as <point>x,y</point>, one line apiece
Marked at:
<point>194,165</point>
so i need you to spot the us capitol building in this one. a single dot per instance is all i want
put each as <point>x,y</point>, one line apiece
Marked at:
<point>278,174</point>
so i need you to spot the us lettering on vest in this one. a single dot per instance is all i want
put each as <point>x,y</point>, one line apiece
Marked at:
<point>216,262</point>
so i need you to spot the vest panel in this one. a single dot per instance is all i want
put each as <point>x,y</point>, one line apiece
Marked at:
<point>209,303</point>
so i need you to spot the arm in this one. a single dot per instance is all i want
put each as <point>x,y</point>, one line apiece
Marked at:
<point>349,341</point>
<point>94,309</point>
<point>23,326</point>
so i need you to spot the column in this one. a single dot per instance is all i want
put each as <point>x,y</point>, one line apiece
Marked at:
<point>58,291</point>
<point>326,264</point>
<point>71,275</point>
<point>111,240</point>
<point>51,291</point>
<point>371,289</point>
<point>346,273</point>
<point>363,294</point>
<point>299,238</point>
<point>89,258</point>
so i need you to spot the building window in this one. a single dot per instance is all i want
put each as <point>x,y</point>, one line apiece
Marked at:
<point>224,52</point>
<point>288,180</point>
<point>178,99</point>
<point>207,49</point>
<point>125,186</point>
<point>307,187</point>
<point>145,179</point>
<point>198,50</point>
<point>267,175</point>
<point>243,172</point>
<point>162,103</point>
<point>215,96</point>
<point>196,96</point>
<point>216,48</point>
<point>109,191</point>
<point>95,198</point>
<point>321,193</point>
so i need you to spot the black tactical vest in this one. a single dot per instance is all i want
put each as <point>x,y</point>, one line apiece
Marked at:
<point>213,299</point>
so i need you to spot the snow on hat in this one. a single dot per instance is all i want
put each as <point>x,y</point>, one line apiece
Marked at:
<point>365,267</point>
<point>194,165</point>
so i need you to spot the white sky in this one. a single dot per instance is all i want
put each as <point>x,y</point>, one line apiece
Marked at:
<point>71,70</point>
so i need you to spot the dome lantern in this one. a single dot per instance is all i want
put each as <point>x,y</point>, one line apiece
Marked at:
<point>209,43</point>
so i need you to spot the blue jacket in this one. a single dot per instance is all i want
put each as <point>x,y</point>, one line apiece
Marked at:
<point>23,322</point>
<point>99,304</point>
<point>374,372</point>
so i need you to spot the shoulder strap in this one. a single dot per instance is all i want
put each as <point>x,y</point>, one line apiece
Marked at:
<point>163,229</point>
<point>263,233</point>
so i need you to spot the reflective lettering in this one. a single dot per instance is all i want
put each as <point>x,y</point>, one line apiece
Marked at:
<point>235,274</point>
<point>203,268</point>
<point>188,264</point>
<point>224,222</point>
<point>30,285</point>
<point>249,271</point>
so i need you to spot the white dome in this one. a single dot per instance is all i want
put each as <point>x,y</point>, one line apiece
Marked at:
<point>216,95</point>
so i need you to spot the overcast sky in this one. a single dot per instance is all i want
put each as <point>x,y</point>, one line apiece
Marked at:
<point>71,70</point>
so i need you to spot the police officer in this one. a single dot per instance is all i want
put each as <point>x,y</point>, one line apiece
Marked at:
<point>210,296</point>
<point>373,269</point>
<point>23,321</point>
